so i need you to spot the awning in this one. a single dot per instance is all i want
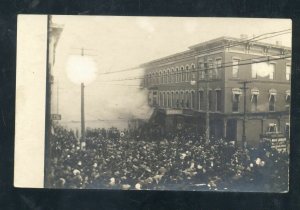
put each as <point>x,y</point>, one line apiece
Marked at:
<point>273,93</point>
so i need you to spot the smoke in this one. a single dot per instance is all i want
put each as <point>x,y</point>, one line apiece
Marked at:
<point>262,69</point>
<point>113,97</point>
<point>81,69</point>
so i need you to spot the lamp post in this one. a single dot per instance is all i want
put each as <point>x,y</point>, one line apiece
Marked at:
<point>244,88</point>
<point>81,70</point>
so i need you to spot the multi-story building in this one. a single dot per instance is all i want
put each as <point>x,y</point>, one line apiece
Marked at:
<point>208,78</point>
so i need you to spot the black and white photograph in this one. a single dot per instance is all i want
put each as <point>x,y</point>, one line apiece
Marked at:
<point>163,103</point>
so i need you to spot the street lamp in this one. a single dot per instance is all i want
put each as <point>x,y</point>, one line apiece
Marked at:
<point>81,70</point>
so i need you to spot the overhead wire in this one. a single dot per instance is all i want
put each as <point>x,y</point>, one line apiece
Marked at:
<point>212,68</point>
<point>282,32</point>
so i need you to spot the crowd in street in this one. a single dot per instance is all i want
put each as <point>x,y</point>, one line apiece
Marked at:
<point>181,161</point>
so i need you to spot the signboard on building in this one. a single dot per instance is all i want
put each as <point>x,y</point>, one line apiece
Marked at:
<point>279,144</point>
<point>55,117</point>
<point>173,111</point>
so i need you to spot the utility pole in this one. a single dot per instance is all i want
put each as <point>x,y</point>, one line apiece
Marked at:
<point>244,88</point>
<point>207,130</point>
<point>82,115</point>
<point>48,122</point>
<point>82,121</point>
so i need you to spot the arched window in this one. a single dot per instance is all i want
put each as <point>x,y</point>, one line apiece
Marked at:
<point>182,74</point>
<point>193,99</point>
<point>272,99</point>
<point>177,74</point>
<point>160,77</point>
<point>193,72</point>
<point>187,73</point>
<point>172,99</point>
<point>181,99</point>
<point>187,99</point>
<point>161,99</point>
<point>172,75</point>
<point>168,76</point>
<point>164,77</point>
<point>201,99</point>
<point>149,79</point>
<point>153,78</point>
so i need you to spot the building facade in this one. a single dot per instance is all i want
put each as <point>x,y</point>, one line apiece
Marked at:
<point>207,81</point>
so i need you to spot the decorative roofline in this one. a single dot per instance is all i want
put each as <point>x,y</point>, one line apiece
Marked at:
<point>195,49</point>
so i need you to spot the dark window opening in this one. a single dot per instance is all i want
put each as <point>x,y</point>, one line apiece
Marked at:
<point>254,100</point>
<point>210,100</point>
<point>272,103</point>
<point>218,100</point>
<point>235,102</point>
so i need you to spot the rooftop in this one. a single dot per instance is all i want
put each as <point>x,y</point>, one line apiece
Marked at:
<point>218,41</point>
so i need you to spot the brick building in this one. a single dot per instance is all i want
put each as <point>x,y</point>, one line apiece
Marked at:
<point>208,77</point>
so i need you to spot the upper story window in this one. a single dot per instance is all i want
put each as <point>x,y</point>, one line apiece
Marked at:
<point>288,99</point>
<point>182,99</point>
<point>263,70</point>
<point>210,100</point>
<point>161,99</point>
<point>235,67</point>
<point>272,99</point>
<point>154,98</point>
<point>168,76</point>
<point>149,79</point>
<point>236,93</point>
<point>193,72</point>
<point>173,76</point>
<point>193,67</point>
<point>272,70</point>
<point>218,66</point>
<point>218,100</point>
<point>201,100</point>
<point>187,73</point>
<point>177,74</point>
<point>153,77</point>
<point>288,72</point>
<point>168,100</point>
<point>193,99</point>
<point>177,100</point>
<point>254,99</point>
<point>201,71</point>
<point>182,74</point>
<point>187,100</point>
<point>165,77</point>
<point>160,77</point>
<point>210,68</point>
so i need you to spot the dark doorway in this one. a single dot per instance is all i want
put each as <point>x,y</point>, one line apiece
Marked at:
<point>231,129</point>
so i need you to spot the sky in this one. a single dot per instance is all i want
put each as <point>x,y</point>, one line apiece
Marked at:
<point>114,43</point>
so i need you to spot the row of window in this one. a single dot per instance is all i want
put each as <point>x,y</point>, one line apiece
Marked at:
<point>236,93</point>
<point>264,70</point>
<point>212,70</point>
<point>172,75</point>
<point>188,99</point>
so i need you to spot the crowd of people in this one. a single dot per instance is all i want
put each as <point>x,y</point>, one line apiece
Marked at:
<point>181,161</point>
